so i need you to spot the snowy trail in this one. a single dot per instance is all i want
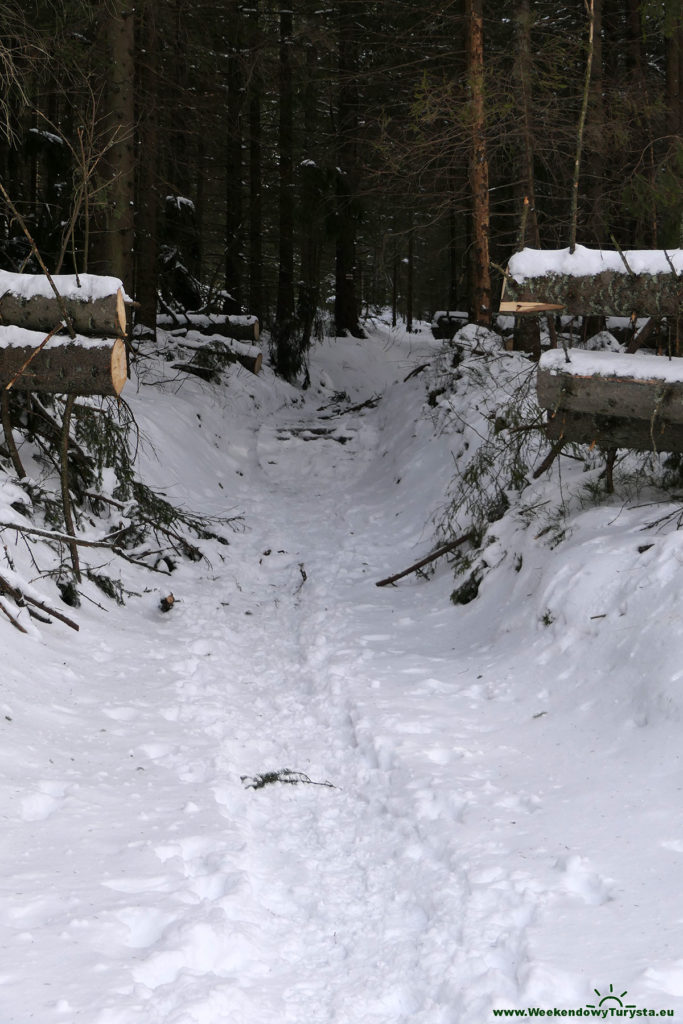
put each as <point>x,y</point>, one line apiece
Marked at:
<point>424,884</point>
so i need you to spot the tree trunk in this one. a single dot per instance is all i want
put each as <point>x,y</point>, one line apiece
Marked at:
<point>480,283</point>
<point>346,311</point>
<point>118,165</point>
<point>234,212</point>
<point>674,60</point>
<point>255,148</point>
<point>597,231</point>
<point>287,356</point>
<point>147,209</point>
<point>313,199</point>
<point>410,280</point>
<point>527,332</point>
<point>574,211</point>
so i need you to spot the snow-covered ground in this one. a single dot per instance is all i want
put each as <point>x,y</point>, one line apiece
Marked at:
<point>488,810</point>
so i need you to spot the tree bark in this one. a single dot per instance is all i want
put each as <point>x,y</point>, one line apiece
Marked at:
<point>596,139</point>
<point>287,357</point>
<point>234,205</point>
<point>608,293</point>
<point>29,304</point>
<point>147,207</point>
<point>116,241</point>
<point>577,387</point>
<point>83,367</point>
<point>574,212</point>
<point>480,284</point>
<point>639,435</point>
<point>255,265</point>
<point>346,309</point>
<point>241,328</point>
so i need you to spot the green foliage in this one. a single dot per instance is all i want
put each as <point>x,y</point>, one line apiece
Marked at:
<point>104,429</point>
<point>502,437</point>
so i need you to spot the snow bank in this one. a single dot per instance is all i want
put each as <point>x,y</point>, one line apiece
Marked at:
<point>21,337</point>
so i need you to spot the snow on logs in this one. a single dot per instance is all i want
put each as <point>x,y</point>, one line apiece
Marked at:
<point>227,338</point>
<point>240,328</point>
<point>588,282</point>
<point>91,363</point>
<point>613,400</point>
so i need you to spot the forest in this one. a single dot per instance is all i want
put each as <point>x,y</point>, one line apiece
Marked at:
<point>309,163</point>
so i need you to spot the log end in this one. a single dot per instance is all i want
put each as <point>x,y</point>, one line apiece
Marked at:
<point>121,320</point>
<point>119,366</point>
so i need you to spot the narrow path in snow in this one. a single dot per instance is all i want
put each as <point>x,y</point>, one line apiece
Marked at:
<point>354,902</point>
<point>176,894</point>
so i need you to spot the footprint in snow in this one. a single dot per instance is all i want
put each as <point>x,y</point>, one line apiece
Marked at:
<point>40,805</point>
<point>580,879</point>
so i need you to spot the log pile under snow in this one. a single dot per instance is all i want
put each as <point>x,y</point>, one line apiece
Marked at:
<point>232,337</point>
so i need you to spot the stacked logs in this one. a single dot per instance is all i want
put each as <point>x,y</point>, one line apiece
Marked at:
<point>63,335</point>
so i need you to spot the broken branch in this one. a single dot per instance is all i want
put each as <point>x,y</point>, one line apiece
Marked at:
<point>443,550</point>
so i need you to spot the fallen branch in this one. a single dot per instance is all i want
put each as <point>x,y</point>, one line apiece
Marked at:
<point>63,538</point>
<point>418,369</point>
<point>15,622</point>
<point>549,459</point>
<point>443,550</point>
<point>21,598</point>
<point>285,775</point>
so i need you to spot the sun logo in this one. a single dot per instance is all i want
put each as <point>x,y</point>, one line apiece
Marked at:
<point>610,997</point>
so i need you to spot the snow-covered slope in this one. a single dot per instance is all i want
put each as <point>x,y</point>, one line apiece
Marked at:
<point>483,805</point>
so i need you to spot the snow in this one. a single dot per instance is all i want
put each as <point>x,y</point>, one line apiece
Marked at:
<point>530,263</point>
<point>22,337</point>
<point>84,288</point>
<point>640,366</point>
<point>503,827</point>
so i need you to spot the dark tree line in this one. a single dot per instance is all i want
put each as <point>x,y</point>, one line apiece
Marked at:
<point>304,161</point>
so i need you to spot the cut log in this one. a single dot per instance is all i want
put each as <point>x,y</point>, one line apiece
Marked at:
<point>96,307</point>
<point>615,432</point>
<point>608,384</point>
<point>84,366</point>
<point>614,401</point>
<point>608,294</point>
<point>240,328</point>
<point>589,282</point>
